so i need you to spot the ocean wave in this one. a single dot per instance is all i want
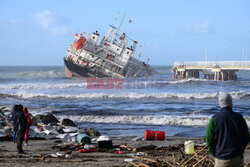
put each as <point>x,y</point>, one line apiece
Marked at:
<point>147,82</point>
<point>27,95</point>
<point>42,86</point>
<point>34,74</point>
<point>148,119</point>
<point>128,84</point>
<point>151,120</point>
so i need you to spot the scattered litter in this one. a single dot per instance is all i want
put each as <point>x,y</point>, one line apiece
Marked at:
<point>154,135</point>
<point>118,152</point>
<point>138,138</point>
<point>54,155</point>
<point>59,154</point>
<point>68,156</point>
<point>103,138</point>
<point>129,160</point>
<point>42,157</point>
<point>140,153</point>
<point>83,138</point>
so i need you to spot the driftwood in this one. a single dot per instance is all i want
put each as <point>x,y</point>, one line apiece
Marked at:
<point>199,159</point>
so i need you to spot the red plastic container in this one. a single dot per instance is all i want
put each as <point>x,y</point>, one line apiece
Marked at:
<point>154,135</point>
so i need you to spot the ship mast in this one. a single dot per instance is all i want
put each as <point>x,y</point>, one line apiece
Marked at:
<point>117,31</point>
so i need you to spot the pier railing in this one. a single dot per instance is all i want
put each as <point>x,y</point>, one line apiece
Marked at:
<point>239,64</point>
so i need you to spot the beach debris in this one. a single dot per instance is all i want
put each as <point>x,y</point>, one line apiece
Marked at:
<point>129,160</point>
<point>61,136</point>
<point>59,129</point>
<point>87,150</point>
<point>154,135</point>
<point>91,132</point>
<point>138,138</point>
<point>189,147</point>
<point>68,156</point>
<point>103,138</point>
<point>126,147</point>
<point>199,159</point>
<point>118,152</point>
<point>68,122</point>
<point>104,142</point>
<point>83,138</point>
<point>42,157</point>
<point>140,153</point>
<point>70,129</point>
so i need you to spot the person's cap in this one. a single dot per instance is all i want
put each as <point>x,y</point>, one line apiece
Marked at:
<point>225,99</point>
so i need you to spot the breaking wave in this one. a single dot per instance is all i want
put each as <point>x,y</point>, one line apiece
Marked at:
<point>147,120</point>
<point>152,120</point>
<point>128,84</point>
<point>34,74</point>
<point>42,86</point>
<point>26,95</point>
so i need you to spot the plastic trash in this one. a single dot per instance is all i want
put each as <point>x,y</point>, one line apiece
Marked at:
<point>83,138</point>
<point>189,147</point>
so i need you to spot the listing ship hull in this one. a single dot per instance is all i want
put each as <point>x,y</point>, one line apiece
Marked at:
<point>75,70</point>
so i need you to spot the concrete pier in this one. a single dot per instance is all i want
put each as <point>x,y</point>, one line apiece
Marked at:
<point>218,71</point>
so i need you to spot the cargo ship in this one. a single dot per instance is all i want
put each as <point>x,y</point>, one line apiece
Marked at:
<point>111,57</point>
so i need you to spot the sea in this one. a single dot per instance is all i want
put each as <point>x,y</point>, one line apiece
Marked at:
<point>160,103</point>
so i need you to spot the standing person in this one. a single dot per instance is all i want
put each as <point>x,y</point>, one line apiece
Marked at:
<point>20,126</point>
<point>11,117</point>
<point>29,123</point>
<point>227,135</point>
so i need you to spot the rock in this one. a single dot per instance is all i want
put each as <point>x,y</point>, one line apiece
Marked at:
<point>33,119</point>
<point>59,129</point>
<point>39,118</point>
<point>90,132</point>
<point>68,122</point>
<point>49,118</point>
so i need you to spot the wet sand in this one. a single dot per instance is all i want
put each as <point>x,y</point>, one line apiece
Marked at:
<point>39,153</point>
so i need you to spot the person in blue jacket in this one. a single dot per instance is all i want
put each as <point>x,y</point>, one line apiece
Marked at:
<point>227,135</point>
<point>20,126</point>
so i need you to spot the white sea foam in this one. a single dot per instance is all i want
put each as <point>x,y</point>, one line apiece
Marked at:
<point>27,95</point>
<point>35,74</point>
<point>41,86</point>
<point>147,120</point>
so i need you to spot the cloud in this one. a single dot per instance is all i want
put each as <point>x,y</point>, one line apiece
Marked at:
<point>51,23</point>
<point>199,28</point>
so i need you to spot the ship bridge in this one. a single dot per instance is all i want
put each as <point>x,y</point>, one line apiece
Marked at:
<point>213,70</point>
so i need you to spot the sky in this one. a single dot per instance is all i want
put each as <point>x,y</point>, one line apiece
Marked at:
<point>38,32</point>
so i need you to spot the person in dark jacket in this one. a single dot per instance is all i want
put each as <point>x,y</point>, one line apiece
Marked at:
<point>20,126</point>
<point>11,117</point>
<point>227,135</point>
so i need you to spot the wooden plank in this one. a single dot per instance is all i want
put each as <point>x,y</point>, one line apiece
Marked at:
<point>200,161</point>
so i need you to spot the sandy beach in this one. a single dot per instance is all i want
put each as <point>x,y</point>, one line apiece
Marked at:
<point>44,152</point>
